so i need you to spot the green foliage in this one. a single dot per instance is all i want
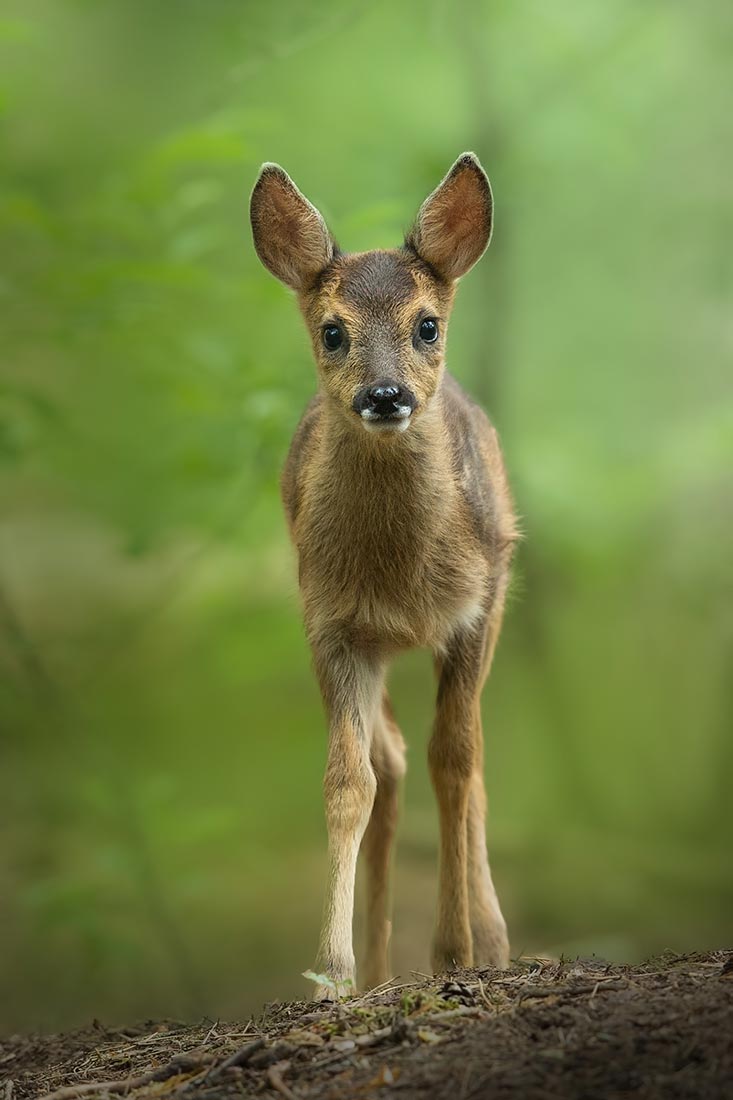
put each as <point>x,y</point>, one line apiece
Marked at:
<point>338,989</point>
<point>161,842</point>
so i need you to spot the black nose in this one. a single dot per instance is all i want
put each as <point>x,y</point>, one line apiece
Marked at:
<point>384,399</point>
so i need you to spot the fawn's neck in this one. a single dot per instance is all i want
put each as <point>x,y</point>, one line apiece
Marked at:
<point>388,478</point>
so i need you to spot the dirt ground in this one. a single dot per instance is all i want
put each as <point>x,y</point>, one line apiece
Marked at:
<point>540,1030</point>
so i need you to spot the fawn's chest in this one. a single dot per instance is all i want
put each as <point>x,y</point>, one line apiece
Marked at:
<point>390,553</point>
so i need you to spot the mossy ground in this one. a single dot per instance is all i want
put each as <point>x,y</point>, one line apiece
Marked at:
<point>541,1029</point>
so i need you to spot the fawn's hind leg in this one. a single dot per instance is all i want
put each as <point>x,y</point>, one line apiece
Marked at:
<point>388,761</point>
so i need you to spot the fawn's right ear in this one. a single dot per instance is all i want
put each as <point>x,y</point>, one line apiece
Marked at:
<point>290,235</point>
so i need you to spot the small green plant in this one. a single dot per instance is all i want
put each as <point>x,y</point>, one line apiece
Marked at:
<point>340,990</point>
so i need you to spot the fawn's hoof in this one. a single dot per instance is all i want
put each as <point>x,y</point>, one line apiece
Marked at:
<point>334,991</point>
<point>325,993</point>
<point>491,945</point>
<point>450,957</point>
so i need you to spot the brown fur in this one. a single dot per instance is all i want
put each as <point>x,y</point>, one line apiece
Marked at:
<point>403,539</point>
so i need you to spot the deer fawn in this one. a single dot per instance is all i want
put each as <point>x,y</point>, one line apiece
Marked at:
<point>399,508</point>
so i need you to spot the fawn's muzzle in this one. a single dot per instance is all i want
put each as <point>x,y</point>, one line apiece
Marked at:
<point>385,404</point>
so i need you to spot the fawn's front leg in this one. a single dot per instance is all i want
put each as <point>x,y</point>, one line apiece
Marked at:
<point>388,760</point>
<point>488,928</point>
<point>351,687</point>
<point>453,756</point>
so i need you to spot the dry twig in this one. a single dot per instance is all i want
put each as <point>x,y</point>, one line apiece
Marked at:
<point>180,1064</point>
<point>274,1076</point>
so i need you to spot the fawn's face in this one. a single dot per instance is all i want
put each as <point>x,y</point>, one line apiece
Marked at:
<point>377,320</point>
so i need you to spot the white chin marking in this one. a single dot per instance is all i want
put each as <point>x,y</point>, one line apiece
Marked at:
<point>386,427</point>
<point>398,422</point>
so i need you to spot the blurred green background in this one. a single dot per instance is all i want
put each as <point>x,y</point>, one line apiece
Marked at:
<point>161,832</point>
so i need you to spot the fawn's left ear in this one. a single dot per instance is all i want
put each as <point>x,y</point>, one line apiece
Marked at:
<point>290,235</point>
<point>453,225</point>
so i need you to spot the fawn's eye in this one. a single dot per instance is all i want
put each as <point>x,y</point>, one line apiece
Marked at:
<point>428,330</point>
<point>333,337</point>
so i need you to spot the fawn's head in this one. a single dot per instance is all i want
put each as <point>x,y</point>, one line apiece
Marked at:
<point>377,320</point>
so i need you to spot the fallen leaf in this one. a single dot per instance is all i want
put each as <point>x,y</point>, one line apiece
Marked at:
<point>384,1077</point>
<point>302,1037</point>
<point>343,1044</point>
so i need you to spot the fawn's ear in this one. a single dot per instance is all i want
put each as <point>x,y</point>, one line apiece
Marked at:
<point>453,225</point>
<point>290,236</point>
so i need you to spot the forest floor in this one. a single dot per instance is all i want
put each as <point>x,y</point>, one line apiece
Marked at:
<point>540,1030</point>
